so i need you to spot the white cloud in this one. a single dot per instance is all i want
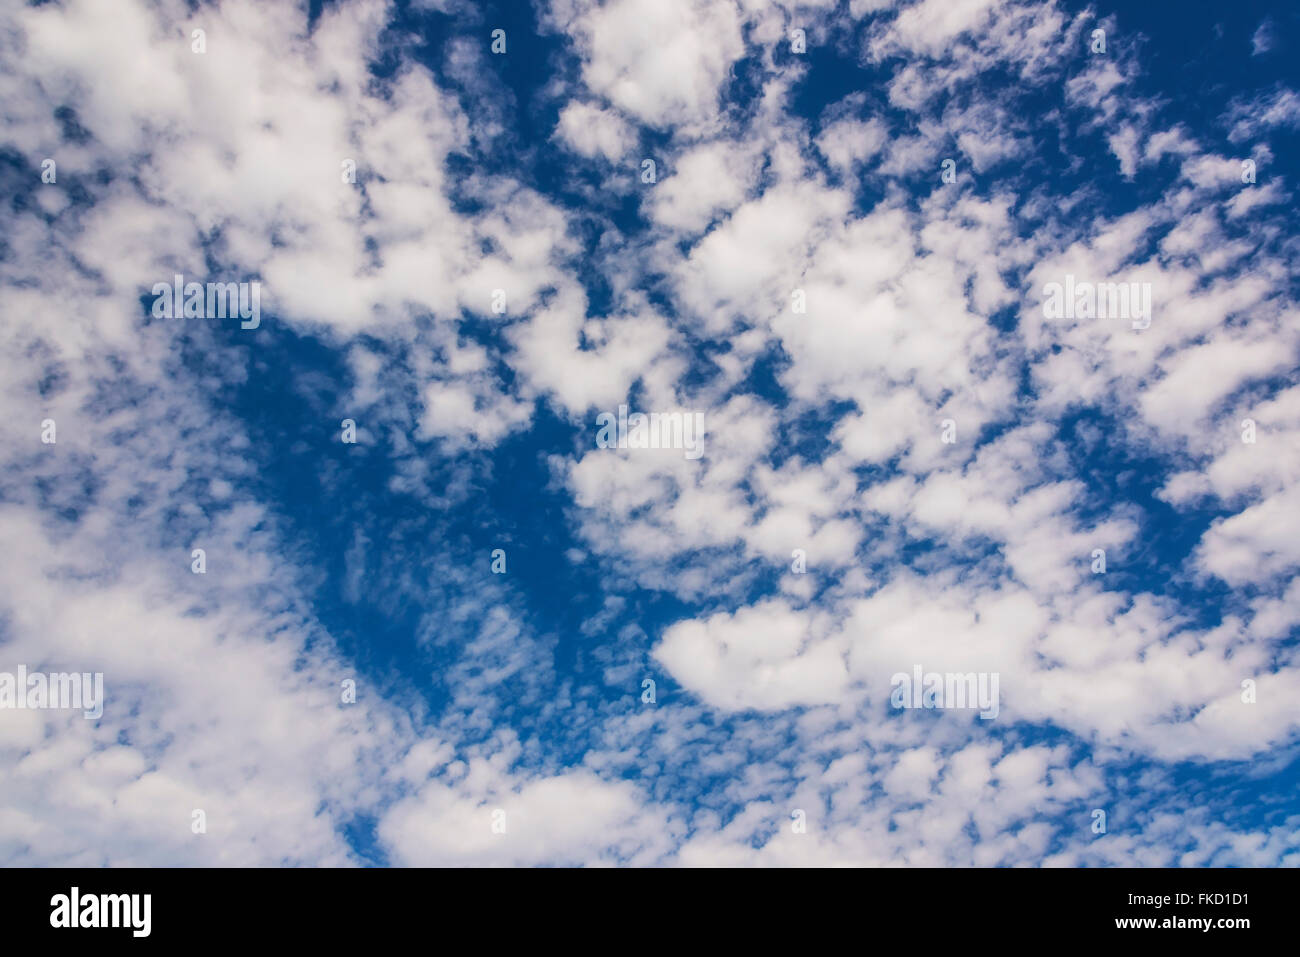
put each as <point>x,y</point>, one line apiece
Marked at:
<point>591,131</point>
<point>661,62</point>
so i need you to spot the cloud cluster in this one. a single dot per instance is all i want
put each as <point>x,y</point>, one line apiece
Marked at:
<point>907,459</point>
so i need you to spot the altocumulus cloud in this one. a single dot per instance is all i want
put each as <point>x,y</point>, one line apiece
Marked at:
<point>364,587</point>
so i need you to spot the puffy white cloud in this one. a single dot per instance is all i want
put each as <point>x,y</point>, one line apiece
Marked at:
<point>591,131</point>
<point>483,819</point>
<point>707,180</point>
<point>661,62</point>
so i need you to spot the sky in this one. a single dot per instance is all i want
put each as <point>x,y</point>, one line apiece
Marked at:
<point>367,588</point>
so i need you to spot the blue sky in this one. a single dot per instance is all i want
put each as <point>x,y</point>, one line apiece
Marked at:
<point>499,715</point>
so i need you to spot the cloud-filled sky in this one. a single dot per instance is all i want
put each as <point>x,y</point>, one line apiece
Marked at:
<point>436,621</point>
